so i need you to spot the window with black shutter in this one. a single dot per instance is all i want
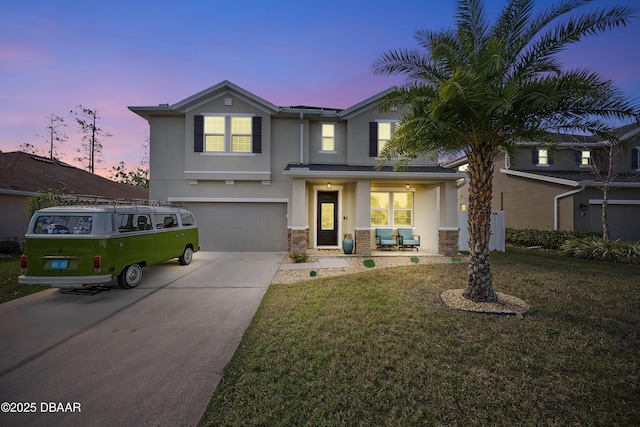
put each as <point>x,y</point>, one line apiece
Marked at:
<point>373,139</point>
<point>257,134</point>
<point>198,134</point>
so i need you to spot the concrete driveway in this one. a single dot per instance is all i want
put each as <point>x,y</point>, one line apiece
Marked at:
<point>145,356</point>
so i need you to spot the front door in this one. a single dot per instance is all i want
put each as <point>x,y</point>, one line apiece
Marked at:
<point>327,227</point>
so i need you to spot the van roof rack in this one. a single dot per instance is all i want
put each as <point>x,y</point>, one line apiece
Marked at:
<point>86,199</point>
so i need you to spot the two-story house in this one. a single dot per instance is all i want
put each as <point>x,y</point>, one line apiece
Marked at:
<point>261,177</point>
<point>559,187</point>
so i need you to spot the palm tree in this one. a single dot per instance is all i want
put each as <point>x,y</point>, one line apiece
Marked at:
<point>480,87</point>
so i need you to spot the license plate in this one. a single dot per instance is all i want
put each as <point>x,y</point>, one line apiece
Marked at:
<point>59,264</point>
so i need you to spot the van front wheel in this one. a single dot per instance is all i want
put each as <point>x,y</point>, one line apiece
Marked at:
<point>186,257</point>
<point>130,277</point>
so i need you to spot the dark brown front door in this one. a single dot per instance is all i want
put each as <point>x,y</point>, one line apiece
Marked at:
<point>327,227</point>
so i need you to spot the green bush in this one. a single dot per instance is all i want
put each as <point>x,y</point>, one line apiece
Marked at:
<point>549,239</point>
<point>603,250</point>
<point>299,257</point>
<point>9,247</point>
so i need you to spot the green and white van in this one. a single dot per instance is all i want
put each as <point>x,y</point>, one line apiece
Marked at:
<point>85,246</point>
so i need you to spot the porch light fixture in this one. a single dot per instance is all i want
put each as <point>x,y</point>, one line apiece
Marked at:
<point>328,185</point>
<point>406,186</point>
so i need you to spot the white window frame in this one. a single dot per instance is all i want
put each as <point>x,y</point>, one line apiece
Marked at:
<point>228,135</point>
<point>328,138</point>
<point>588,159</point>
<point>393,124</point>
<point>543,157</point>
<point>391,209</point>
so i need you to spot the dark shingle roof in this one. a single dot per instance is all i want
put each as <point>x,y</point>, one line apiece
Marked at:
<point>30,173</point>
<point>362,168</point>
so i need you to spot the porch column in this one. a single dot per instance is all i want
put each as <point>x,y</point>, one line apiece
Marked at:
<point>448,215</point>
<point>363,218</point>
<point>298,228</point>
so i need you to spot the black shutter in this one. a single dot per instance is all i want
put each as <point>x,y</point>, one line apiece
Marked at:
<point>256,131</point>
<point>635,153</point>
<point>578,157</point>
<point>534,156</point>
<point>198,134</point>
<point>550,157</point>
<point>373,139</point>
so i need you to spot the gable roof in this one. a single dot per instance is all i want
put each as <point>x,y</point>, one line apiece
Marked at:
<point>203,97</point>
<point>24,174</point>
<point>225,86</point>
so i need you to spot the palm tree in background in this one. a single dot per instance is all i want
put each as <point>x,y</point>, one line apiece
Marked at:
<point>481,87</point>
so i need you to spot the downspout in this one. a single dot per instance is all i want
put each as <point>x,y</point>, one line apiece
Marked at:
<point>301,138</point>
<point>556,205</point>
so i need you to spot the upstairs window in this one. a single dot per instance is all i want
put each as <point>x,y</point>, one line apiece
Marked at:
<point>241,134</point>
<point>227,134</point>
<point>328,137</point>
<point>214,134</point>
<point>541,157</point>
<point>379,135</point>
<point>585,158</point>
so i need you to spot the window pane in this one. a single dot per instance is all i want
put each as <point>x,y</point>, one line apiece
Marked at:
<point>402,217</point>
<point>214,143</point>
<point>380,200</point>
<point>585,158</point>
<point>241,125</point>
<point>403,200</point>
<point>379,217</point>
<point>543,157</point>
<point>241,144</point>
<point>213,124</point>
<point>328,130</point>
<point>384,131</point>
<point>327,220</point>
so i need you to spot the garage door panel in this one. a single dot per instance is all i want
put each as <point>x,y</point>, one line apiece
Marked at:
<point>241,226</point>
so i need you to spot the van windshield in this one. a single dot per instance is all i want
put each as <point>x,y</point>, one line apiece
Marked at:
<point>63,224</point>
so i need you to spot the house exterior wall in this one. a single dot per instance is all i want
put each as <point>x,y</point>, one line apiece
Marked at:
<point>290,136</point>
<point>13,217</point>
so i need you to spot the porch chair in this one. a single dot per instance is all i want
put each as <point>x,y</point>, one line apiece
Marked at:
<point>385,238</point>
<point>406,239</point>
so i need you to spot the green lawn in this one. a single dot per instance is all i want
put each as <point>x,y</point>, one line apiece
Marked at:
<point>379,349</point>
<point>9,287</point>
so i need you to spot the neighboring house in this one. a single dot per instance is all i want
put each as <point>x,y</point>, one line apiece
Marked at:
<point>260,177</point>
<point>559,189</point>
<point>23,175</point>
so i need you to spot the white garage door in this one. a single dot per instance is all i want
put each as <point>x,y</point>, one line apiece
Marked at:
<point>241,226</point>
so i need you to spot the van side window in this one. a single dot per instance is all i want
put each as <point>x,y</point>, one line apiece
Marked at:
<point>187,220</point>
<point>63,224</point>
<point>143,222</point>
<point>125,223</point>
<point>165,220</point>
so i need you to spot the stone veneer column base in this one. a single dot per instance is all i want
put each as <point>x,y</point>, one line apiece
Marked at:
<point>448,242</point>
<point>363,242</point>
<point>298,240</point>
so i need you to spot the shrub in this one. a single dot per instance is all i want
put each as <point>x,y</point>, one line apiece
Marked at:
<point>299,257</point>
<point>549,239</point>
<point>603,250</point>
<point>369,263</point>
<point>9,247</point>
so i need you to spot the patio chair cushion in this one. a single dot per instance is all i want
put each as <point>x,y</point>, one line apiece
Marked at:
<point>384,237</point>
<point>406,237</point>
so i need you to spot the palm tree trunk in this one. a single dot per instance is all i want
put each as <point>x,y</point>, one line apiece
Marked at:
<point>479,280</point>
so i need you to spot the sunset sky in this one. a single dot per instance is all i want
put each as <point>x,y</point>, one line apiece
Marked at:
<point>107,55</point>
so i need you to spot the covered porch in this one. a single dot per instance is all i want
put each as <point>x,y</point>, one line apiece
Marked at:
<point>331,202</point>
